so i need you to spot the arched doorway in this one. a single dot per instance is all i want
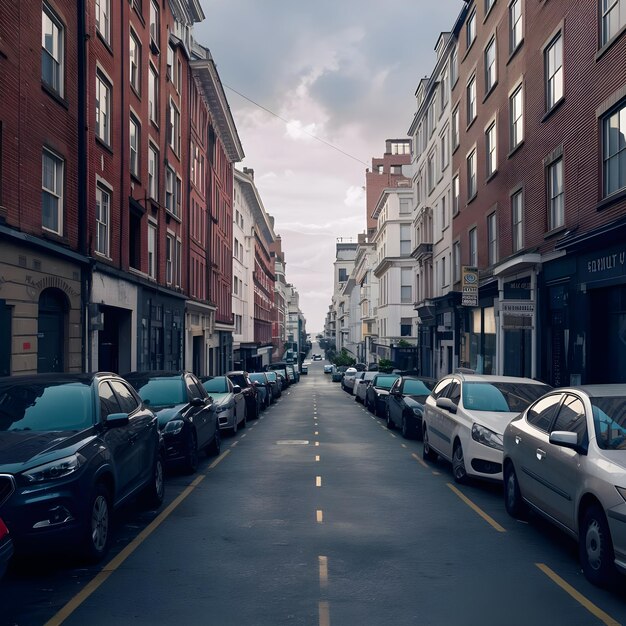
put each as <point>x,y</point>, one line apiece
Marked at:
<point>51,331</point>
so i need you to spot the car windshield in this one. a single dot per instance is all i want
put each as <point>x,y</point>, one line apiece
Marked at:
<point>416,388</point>
<point>501,397</point>
<point>609,420</point>
<point>46,407</point>
<point>160,391</point>
<point>271,376</point>
<point>385,382</point>
<point>259,378</point>
<point>239,379</point>
<point>216,385</point>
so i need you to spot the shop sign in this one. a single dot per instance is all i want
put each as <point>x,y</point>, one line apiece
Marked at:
<point>610,263</point>
<point>469,284</point>
<point>518,308</point>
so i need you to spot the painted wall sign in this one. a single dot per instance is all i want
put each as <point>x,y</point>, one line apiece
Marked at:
<point>602,265</point>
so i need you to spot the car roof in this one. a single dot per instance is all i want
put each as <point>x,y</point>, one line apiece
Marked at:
<point>156,374</point>
<point>59,377</point>
<point>494,378</point>
<point>598,391</point>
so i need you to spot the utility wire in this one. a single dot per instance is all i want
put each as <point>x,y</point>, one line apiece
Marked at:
<point>330,145</point>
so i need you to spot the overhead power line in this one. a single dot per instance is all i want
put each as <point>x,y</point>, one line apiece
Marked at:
<point>306,132</point>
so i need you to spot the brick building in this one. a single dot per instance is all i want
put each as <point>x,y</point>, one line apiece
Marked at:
<point>539,116</point>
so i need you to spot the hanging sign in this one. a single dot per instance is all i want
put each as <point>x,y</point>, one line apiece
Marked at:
<point>469,284</point>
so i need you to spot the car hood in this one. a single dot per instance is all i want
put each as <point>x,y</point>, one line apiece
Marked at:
<point>221,399</point>
<point>416,402</point>
<point>20,450</point>
<point>617,459</point>
<point>167,413</point>
<point>493,420</point>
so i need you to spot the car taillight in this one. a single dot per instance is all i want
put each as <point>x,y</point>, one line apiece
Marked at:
<point>3,529</point>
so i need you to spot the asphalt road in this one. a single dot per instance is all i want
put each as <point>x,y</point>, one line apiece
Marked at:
<point>316,514</point>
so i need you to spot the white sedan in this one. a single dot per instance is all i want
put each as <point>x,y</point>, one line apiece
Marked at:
<point>465,417</point>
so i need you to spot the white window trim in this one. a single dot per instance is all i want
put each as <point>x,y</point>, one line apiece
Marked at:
<point>59,194</point>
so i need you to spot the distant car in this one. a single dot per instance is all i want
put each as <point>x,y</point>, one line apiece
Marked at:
<point>377,392</point>
<point>186,416</point>
<point>228,402</point>
<point>252,396</point>
<point>328,369</point>
<point>465,417</point>
<point>317,357</point>
<point>66,460</point>
<point>281,368</point>
<point>293,371</point>
<point>405,404</point>
<point>276,384</point>
<point>361,383</point>
<point>304,369</point>
<point>347,382</point>
<point>565,456</point>
<point>337,374</point>
<point>261,382</point>
<point>6,547</point>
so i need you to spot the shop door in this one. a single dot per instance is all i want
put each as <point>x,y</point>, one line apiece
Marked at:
<point>51,332</point>
<point>5,339</point>
<point>607,345</point>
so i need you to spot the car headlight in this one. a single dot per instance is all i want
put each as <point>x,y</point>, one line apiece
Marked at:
<point>55,469</point>
<point>174,427</point>
<point>487,437</point>
<point>221,409</point>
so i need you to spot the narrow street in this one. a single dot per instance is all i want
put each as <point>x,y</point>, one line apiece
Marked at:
<point>317,514</point>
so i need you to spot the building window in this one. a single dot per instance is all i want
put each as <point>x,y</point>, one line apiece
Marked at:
<point>169,259</point>
<point>174,68</point>
<point>454,67</point>
<point>455,128</point>
<point>553,62</point>
<point>153,95</point>
<point>170,190</point>
<point>516,108</point>
<point>405,206</point>
<point>103,19</point>
<point>492,237</point>
<point>613,18</point>
<point>430,172</point>
<point>52,50</point>
<point>491,149</point>
<point>471,174</point>
<point>178,260</point>
<point>444,151</point>
<point>406,287</point>
<point>134,140</point>
<point>515,25</point>
<point>445,89</point>
<point>103,109</point>
<point>152,239</point>
<point>444,213</point>
<point>471,100</point>
<point>174,128</point>
<point>52,192</point>
<point>442,272</point>
<point>103,217</point>
<point>455,195</point>
<point>154,22</point>
<point>556,194</point>
<point>405,240</point>
<point>456,256</point>
<point>135,63</point>
<point>406,324</point>
<point>614,151</point>
<point>470,29</point>
<point>153,173</point>
<point>343,275</point>
<point>517,211</point>
<point>490,65</point>
<point>473,247</point>
<point>488,5</point>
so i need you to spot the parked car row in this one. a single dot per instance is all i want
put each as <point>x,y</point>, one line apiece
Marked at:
<point>559,452</point>
<point>75,447</point>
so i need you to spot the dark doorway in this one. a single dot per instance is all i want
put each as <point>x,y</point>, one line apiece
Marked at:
<point>114,341</point>
<point>607,336</point>
<point>51,331</point>
<point>198,343</point>
<point>5,339</point>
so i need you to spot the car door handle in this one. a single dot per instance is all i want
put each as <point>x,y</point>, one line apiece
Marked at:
<point>540,454</point>
<point>518,439</point>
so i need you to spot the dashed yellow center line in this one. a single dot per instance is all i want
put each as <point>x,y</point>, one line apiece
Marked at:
<point>324,612</point>
<point>317,458</point>
<point>590,606</point>
<point>318,481</point>
<point>244,435</point>
<point>492,522</point>
<point>317,443</point>
<point>393,435</point>
<point>403,445</point>
<point>420,461</point>
<point>323,566</point>
<point>319,516</point>
<point>316,432</point>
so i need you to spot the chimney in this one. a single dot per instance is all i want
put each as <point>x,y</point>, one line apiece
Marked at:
<point>249,171</point>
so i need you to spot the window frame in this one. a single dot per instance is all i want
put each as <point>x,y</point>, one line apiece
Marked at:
<point>472,240</point>
<point>514,41</point>
<point>135,61</point>
<point>491,151</point>
<point>470,30</point>
<point>103,118</point>
<point>618,112</point>
<point>490,85</point>
<point>57,193</point>
<point>606,38</point>
<point>153,177</point>
<point>472,176</point>
<point>555,221</point>
<point>103,189</point>
<point>470,99</point>
<point>517,227</point>
<point>58,65</point>
<point>550,77</point>
<point>153,95</point>
<point>152,243</point>
<point>492,238</point>
<point>106,15</point>
<point>136,170</point>
<point>516,139</point>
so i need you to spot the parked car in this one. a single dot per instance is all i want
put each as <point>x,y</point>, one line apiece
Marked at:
<point>261,382</point>
<point>317,357</point>
<point>66,460</point>
<point>565,456</point>
<point>405,404</point>
<point>281,367</point>
<point>347,382</point>
<point>337,373</point>
<point>250,393</point>
<point>465,417</point>
<point>186,415</point>
<point>6,548</point>
<point>328,369</point>
<point>292,373</point>
<point>304,369</point>
<point>377,392</point>
<point>360,385</point>
<point>276,384</point>
<point>228,402</point>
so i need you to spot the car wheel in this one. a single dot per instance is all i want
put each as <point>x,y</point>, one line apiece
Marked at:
<point>596,547</point>
<point>513,502</point>
<point>155,491</point>
<point>191,462</point>
<point>390,424</point>
<point>214,448</point>
<point>98,524</point>
<point>428,453</point>
<point>458,464</point>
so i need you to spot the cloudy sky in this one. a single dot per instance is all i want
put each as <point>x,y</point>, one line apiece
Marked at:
<point>344,71</point>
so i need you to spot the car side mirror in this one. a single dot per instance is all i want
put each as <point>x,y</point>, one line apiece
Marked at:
<point>566,439</point>
<point>236,389</point>
<point>114,420</point>
<point>447,404</point>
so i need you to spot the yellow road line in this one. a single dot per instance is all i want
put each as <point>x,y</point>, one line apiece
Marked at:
<point>320,516</point>
<point>317,457</point>
<point>219,459</point>
<point>316,432</point>
<point>115,563</point>
<point>393,435</point>
<point>317,443</point>
<point>323,565</point>
<point>420,461</point>
<point>403,445</point>
<point>318,481</point>
<point>492,522</point>
<point>590,606</point>
<point>324,613</point>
